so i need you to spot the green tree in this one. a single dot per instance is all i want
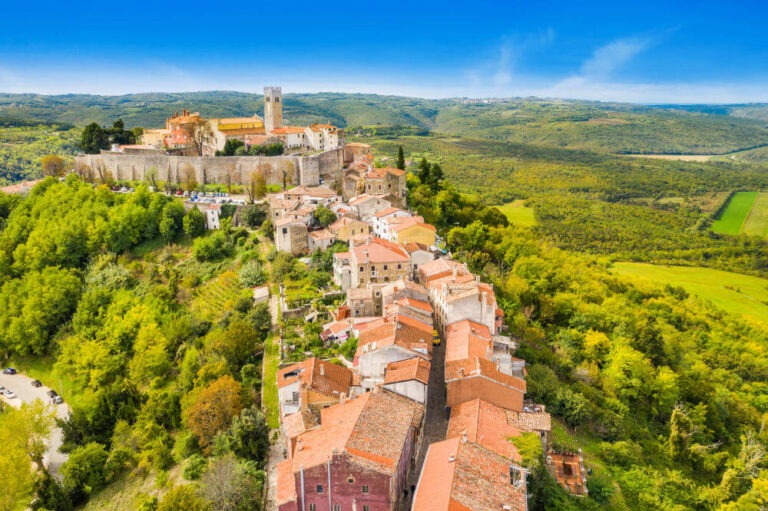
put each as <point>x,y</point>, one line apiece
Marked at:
<point>194,222</point>
<point>324,215</point>
<point>400,158</point>
<point>231,145</point>
<point>53,165</point>
<point>253,216</point>
<point>214,409</point>
<point>248,436</point>
<point>183,498</point>
<point>171,221</point>
<point>83,473</point>
<point>94,139</point>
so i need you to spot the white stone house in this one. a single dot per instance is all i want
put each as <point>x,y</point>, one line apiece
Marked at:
<point>409,378</point>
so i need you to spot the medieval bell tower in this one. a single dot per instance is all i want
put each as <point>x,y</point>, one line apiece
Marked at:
<point>273,108</point>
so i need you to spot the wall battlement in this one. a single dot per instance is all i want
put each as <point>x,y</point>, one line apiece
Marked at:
<point>300,170</point>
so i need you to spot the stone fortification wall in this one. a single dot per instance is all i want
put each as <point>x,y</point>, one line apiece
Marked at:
<point>306,170</point>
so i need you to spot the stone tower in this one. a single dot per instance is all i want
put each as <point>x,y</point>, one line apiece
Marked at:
<point>273,108</point>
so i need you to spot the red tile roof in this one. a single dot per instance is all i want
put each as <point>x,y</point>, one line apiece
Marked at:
<point>485,424</point>
<point>478,367</point>
<point>459,476</point>
<point>400,330</point>
<point>405,370</point>
<point>380,251</point>
<point>373,427</point>
<point>319,375</point>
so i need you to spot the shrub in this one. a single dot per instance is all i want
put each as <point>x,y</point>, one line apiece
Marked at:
<point>195,466</point>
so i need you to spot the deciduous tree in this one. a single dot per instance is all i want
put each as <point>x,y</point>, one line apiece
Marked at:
<point>214,409</point>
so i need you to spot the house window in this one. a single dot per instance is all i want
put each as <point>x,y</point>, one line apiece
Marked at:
<point>399,266</point>
<point>312,507</point>
<point>351,480</point>
<point>285,231</point>
<point>365,488</point>
<point>385,267</point>
<point>319,488</point>
<point>373,268</point>
<point>366,508</point>
<point>362,268</point>
<point>295,396</point>
<point>336,507</point>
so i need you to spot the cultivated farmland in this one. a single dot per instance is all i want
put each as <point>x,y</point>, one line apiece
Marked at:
<point>735,213</point>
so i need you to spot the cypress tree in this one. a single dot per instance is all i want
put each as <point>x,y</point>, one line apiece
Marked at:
<point>400,158</point>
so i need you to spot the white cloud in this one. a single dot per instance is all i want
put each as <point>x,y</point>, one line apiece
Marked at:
<point>607,59</point>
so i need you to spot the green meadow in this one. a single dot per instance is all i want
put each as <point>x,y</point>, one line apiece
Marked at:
<point>517,213</point>
<point>732,218</point>
<point>733,292</point>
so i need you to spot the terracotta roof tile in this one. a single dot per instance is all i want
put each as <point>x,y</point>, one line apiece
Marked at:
<point>481,367</point>
<point>465,476</point>
<point>405,370</point>
<point>319,375</point>
<point>485,424</point>
<point>381,251</point>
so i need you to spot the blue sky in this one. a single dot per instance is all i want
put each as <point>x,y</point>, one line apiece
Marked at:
<point>649,52</point>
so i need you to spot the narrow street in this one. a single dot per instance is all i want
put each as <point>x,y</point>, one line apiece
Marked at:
<point>436,420</point>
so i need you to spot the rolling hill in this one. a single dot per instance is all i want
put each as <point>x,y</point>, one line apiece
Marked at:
<point>586,125</point>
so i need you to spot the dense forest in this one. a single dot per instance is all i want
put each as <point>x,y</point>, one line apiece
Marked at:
<point>24,144</point>
<point>664,393</point>
<point>160,373</point>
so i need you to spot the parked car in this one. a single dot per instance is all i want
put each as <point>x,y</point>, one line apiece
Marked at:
<point>9,370</point>
<point>2,389</point>
<point>57,400</point>
<point>10,394</point>
<point>52,393</point>
<point>36,383</point>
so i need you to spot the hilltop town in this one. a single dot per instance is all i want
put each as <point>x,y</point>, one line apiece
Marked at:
<point>425,415</point>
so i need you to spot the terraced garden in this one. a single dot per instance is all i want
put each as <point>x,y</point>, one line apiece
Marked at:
<point>217,295</point>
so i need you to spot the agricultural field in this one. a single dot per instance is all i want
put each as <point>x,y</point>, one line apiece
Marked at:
<point>517,213</point>
<point>732,292</point>
<point>757,219</point>
<point>735,218</point>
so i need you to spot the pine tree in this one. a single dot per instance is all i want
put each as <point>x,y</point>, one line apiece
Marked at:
<point>400,158</point>
<point>424,171</point>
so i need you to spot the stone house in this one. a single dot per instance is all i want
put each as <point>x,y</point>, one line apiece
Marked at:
<point>291,236</point>
<point>385,180</point>
<point>342,270</point>
<point>409,378</point>
<point>381,220</point>
<point>390,339</point>
<point>378,261</point>
<point>420,255</point>
<point>312,383</point>
<point>456,298</point>
<point>346,229</point>
<point>320,240</point>
<point>366,206</point>
<point>361,302</point>
<point>410,307</point>
<point>411,229</point>
<point>440,268</point>
<point>478,377</point>
<point>359,458</point>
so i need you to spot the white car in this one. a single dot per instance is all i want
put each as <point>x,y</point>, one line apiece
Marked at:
<point>9,394</point>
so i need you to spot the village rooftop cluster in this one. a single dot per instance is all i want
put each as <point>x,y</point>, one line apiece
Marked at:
<point>430,342</point>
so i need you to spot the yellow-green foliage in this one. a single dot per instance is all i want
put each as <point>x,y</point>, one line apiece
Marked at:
<point>518,213</point>
<point>733,292</point>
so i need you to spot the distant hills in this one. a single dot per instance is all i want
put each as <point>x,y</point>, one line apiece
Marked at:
<point>584,125</point>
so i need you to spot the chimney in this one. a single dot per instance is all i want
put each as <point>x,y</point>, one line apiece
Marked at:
<point>365,257</point>
<point>322,369</point>
<point>464,437</point>
<point>461,372</point>
<point>451,458</point>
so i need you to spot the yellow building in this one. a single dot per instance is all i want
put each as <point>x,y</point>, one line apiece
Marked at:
<point>412,230</point>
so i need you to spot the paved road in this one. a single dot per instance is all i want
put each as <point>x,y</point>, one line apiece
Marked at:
<point>22,386</point>
<point>436,420</point>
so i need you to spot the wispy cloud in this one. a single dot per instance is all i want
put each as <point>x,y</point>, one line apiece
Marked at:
<point>609,58</point>
<point>500,70</point>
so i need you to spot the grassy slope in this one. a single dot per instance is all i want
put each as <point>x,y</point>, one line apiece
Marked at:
<point>732,219</point>
<point>757,220</point>
<point>732,292</point>
<point>517,213</point>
